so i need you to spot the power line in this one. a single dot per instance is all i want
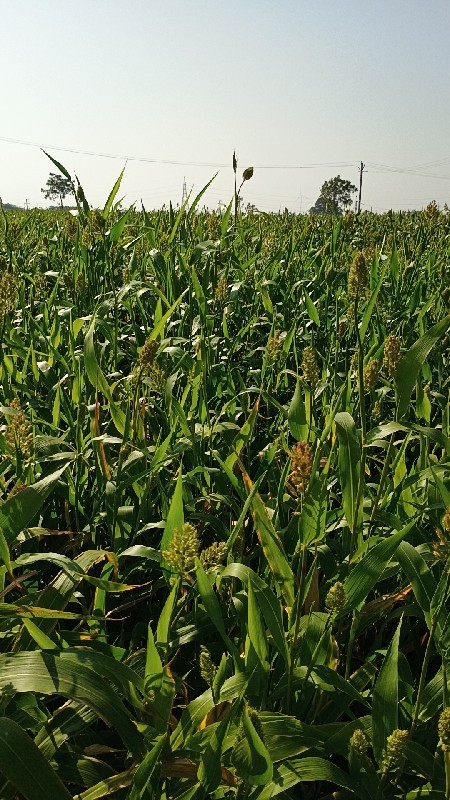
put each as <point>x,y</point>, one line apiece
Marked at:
<point>175,162</point>
<point>384,168</point>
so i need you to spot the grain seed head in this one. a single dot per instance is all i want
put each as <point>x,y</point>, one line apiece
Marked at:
<point>392,355</point>
<point>183,549</point>
<point>444,729</point>
<point>310,366</point>
<point>395,748</point>
<point>336,597</point>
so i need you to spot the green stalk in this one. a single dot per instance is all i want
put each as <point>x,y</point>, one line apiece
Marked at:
<point>317,648</point>
<point>362,414</point>
<point>420,689</point>
<point>351,641</point>
<point>383,477</point>
<point>298,614</point>
<point>446,752</point>
<point>423,675</point>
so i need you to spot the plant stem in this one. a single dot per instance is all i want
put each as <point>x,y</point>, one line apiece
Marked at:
<point>351,640</point>
<point>423,675</point>
<point>383,477</point>
<point>362,414</point>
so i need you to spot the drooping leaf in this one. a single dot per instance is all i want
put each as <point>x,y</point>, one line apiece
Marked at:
<point>18,511</point>
<point>65,674</point>
<point>250,757</point>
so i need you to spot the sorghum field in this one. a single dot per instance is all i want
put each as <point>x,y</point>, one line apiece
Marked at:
<point>225,505</point>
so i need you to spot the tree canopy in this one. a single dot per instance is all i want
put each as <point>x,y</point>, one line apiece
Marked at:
<point>335,196</point>
<point>57,188</point>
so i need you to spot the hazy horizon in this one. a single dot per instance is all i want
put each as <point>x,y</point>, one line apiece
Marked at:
<point>287,85</point>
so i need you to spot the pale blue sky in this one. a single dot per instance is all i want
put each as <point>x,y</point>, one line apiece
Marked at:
<point>290,82</point>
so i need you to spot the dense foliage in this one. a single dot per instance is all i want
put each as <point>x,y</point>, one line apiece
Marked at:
<point>225,524</point>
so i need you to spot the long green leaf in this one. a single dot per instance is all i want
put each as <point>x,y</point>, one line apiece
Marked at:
<point>146,769</point>
<point>213,609</point>
<point>199,196</point>
<point>59,166</point>
<point>18,511</point>
<point>250,757</point>
<point>368,571</point>
<point>112,194</point>
<point>175,516</point>
<point>25,767</point>
<point>349,460</point>
<point>298,424</point>
<point>271,544</point>
<point>412,361</point>
<point>385,698</point>
<point>66,675</point>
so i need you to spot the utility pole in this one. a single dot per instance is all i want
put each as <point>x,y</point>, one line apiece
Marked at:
<point>27,204</point>
<point>184,196</point>
<point>361,170</point>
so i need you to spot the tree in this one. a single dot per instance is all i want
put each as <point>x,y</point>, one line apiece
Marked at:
<point>335,196</point>
<point>57,188</point>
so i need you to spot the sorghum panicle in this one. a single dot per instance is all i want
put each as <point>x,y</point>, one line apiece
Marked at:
<point>395,748</point>
<point>16,490</point>
<point>392,355</point>
<point>8,294</point>
<point>158,378</point>
<point>310,366</point>
<point>207,667</point>
<point>221,292</point>
<point>358,742</point>
<point>19,433</point>
<point>147,355</point>
<point>96,221</point>
<point>342,327</point>
<point>80,283</point>
<point>370,373</point>
<point>183,549</point>
<point>71,226</point>
<point>301,465</point>
<point>441,548</point>
<point>357,277</point>
<point>273,347</point>
<point>213,556</point>
<point>256,722</point>
<point>444,728</point>
<point>377,410</point>
<point>87,239</point>
<point>336,597</point>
